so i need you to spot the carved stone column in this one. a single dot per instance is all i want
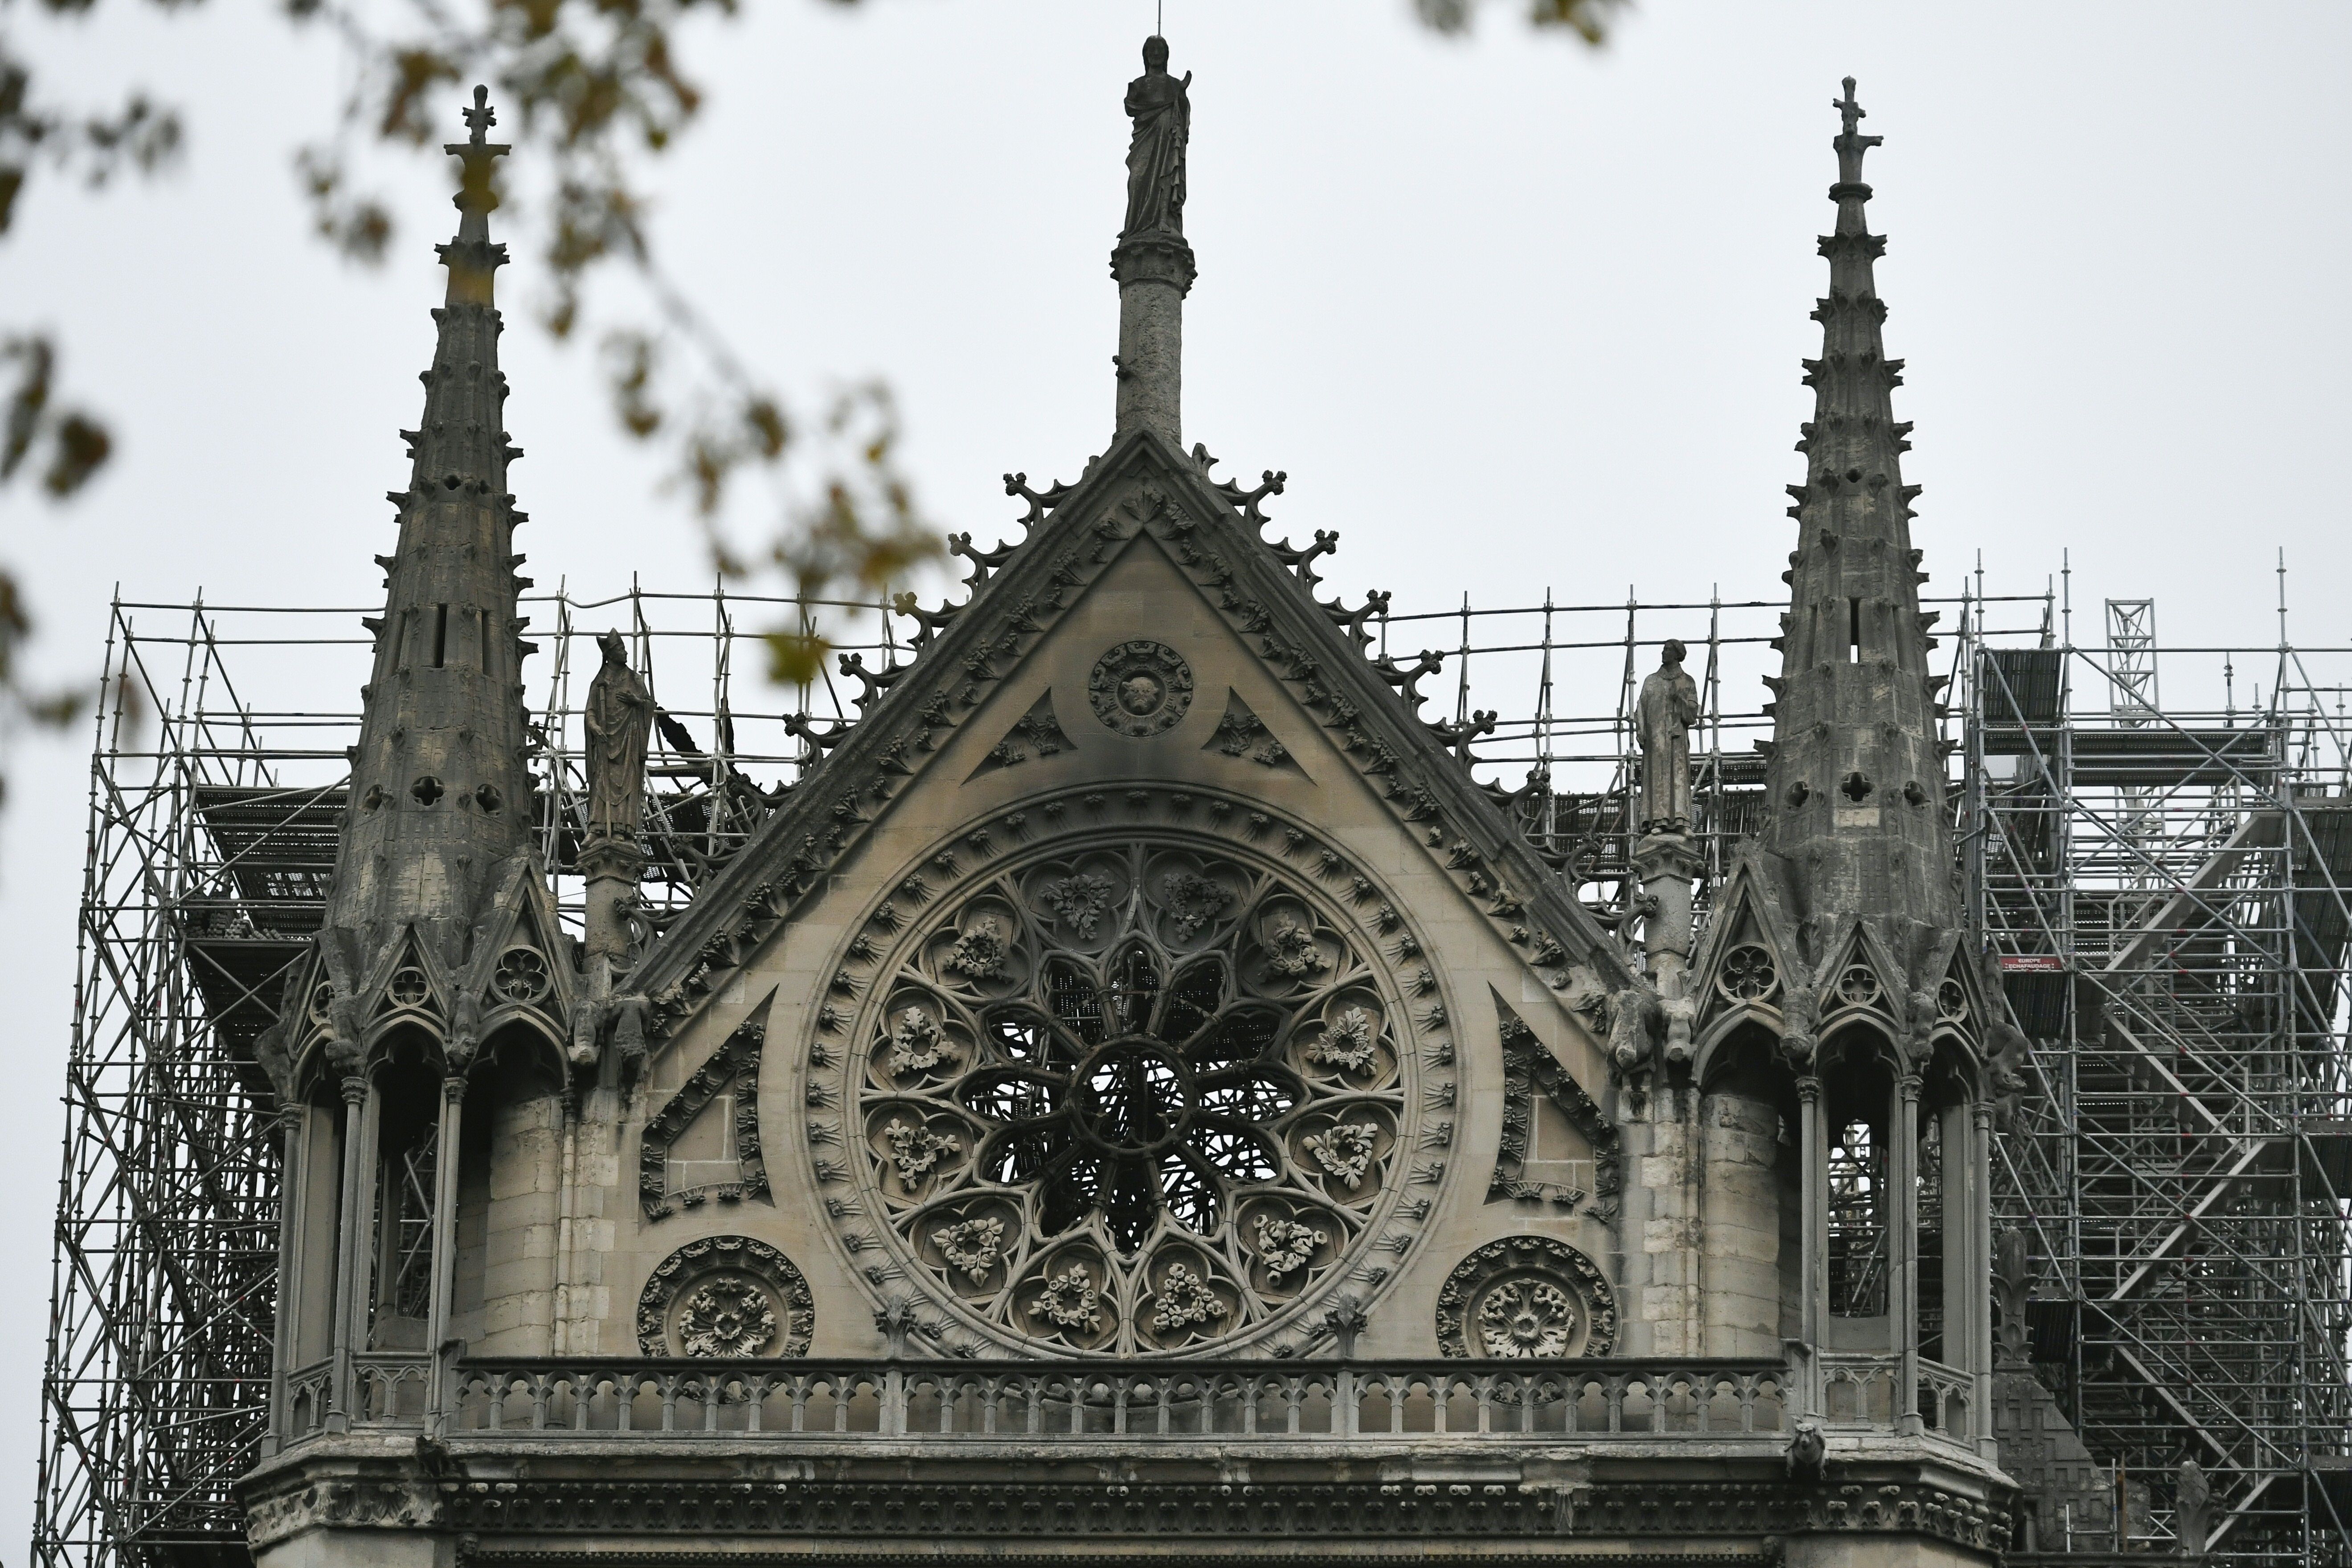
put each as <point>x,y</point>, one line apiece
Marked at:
<point>1154,272</point>
<point>1667,861</point>
<point>350,1246</point>
<point>294,1185</point>
<point>612,867</point>
<point>446,1134</point>
<point>1979,1280</point>
<point>1812,1232</point>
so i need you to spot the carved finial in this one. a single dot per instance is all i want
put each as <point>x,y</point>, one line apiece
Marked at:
<point>1848,109</point>
<point>1851,143</point>
<point>1347,1321</point>
<point>896,1320</point>
<point>481,117</point>
<point>476,198</point>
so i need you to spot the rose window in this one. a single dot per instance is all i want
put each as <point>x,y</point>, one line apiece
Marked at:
<point>1135,1098</point>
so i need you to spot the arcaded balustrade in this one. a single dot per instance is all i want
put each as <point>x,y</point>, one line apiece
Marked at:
<point>957,1401</point>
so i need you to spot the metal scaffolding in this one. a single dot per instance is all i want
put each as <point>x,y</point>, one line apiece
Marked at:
<point>215,799</point>
<point>2165,887</point>
<point>2162,885</point>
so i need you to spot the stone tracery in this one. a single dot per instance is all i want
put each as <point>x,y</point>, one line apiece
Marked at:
<point>1136,1094</point>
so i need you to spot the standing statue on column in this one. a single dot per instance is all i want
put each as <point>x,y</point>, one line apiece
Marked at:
<point>1156,101</point>
<point>1667,709</point>
<point>2192,1509</point>
<point>619,718</point>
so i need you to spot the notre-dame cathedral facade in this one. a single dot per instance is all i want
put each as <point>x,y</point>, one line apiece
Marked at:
<point>1139,1096</point>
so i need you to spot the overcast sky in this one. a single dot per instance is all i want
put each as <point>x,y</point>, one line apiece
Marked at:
<point>1511,313</point>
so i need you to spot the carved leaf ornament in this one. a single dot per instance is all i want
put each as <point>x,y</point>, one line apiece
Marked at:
<point>1133,1093</point>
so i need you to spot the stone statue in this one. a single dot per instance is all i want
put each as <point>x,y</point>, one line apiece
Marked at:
<point>619,718</point>
<point>2012,1276</point>
<point>2192,1509</point>
<point>1667,709</point>
<point>2005,1073</point>
<point>1801,1008</point>
<point>1809,1452</point>
<point>1156,101</point>
<point>1634,1018</point>
<point>1919,1028</point>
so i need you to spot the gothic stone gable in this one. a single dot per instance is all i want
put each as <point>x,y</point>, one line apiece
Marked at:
<point>1801,979</point>
<point>1096,1032</point>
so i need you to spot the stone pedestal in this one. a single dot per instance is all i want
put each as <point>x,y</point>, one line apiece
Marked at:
<point>1667,861</point>
<point>1154,273</point>
<point>612,867</point>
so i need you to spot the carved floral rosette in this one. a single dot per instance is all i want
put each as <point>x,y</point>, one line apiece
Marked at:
<point>1525,1297</point>
<point>726,1297</point>
<point>1148,1074</point>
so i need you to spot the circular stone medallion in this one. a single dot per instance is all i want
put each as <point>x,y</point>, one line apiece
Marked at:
<point>1525,1297</point>
<point>727,1297</point>
<point>1140,687</point>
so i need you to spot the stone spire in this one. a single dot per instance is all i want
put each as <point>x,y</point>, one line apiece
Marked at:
<point>1856,775</point>
<point>440,798</point>
<point>1152,261</point>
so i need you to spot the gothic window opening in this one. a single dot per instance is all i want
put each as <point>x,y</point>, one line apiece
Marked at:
<point>1858,1228</point>
<point>1854,631</point>
<point>440,635</point>
<point>407,1148</point>
<point>1928,1185</point>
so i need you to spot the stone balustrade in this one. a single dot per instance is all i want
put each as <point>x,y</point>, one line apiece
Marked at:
<point>948,1401</point>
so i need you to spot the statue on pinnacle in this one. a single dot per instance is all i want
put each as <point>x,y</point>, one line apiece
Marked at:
<point>1667,709</point>
<point>1163,113</point>
<point>619,714</point>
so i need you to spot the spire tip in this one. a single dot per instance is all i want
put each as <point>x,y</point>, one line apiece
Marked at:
<point>1851,143</point>
<point>481,117</point>
<point>1848,109</point>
